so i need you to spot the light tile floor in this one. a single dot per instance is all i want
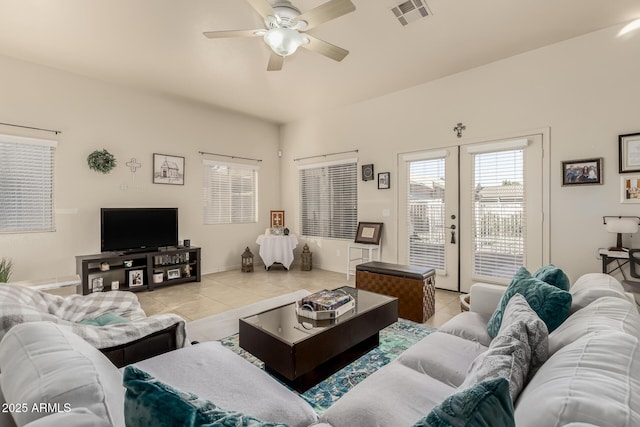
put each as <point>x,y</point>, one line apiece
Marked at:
<point>223,291</point>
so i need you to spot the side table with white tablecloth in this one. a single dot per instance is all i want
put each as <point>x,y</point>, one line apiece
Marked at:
<point>277,249</point>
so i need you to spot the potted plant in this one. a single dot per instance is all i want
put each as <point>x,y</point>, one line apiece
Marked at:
<point>6,267</point>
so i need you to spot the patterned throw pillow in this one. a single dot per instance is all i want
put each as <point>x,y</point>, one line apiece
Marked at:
<point>486,404</point>
<point>149,402</point>
<point>551,304</point>
<point>554,276</point>
<point>520,348</point>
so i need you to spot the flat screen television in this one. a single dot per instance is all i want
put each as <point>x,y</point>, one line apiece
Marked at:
<point>137,229</point>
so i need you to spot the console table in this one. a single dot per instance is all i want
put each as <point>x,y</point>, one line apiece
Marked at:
<point>277,249</point>
<point>621,258</point>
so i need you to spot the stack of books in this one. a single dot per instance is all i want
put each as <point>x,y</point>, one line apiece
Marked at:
<point>325,304</point>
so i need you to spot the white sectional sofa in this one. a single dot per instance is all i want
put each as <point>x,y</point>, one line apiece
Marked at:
<point>591,376</point>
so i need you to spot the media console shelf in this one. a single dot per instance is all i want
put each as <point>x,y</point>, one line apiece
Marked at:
<point>138,271</point>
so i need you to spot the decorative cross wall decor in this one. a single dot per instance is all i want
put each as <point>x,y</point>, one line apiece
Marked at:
<point>458,129</point>
<point>133,164</point>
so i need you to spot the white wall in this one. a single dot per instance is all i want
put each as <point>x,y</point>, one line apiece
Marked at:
<point>584,89</point>
<point>94,115</point>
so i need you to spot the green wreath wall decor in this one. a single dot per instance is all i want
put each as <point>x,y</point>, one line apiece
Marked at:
<point>101,161</point>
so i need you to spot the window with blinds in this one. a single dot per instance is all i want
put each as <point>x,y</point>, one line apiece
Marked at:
<point>329,200</point>
<point>230,193</point>
<point>26,184</point>
<point>498,213</point>
<point>426,213</point>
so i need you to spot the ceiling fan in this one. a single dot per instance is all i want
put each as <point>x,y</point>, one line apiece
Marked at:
<point>286,29</point>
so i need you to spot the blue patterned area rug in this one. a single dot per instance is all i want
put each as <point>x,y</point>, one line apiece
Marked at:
<point>394,340</point>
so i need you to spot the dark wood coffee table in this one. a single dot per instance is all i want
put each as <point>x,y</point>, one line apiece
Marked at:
<point>302,352</point>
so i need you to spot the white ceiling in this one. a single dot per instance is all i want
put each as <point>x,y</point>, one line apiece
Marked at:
<point>158,45</point>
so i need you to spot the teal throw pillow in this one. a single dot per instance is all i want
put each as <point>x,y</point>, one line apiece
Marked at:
<point>551,304</point>
<point>554,276</point>
<point>486,404</point>
<point>149,402</point>
<point>105,320</point>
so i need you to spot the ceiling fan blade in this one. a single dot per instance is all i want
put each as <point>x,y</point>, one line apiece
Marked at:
<point>275,62</point>
<point>262,7</point>
<point>234,33</point>
<point>327,49</point>
<point>326,12</point>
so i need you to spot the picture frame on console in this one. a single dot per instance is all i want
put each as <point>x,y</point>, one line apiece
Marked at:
<point>135,278</point>
<point>277,219</point>
<point>369,232</point>
<point>629,153</point>
<point>173,273</point>
<point>168,169</point>
<point>582,172</point>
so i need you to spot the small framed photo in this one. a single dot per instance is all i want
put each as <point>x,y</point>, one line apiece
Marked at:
<point>369,232</point>
<point>277,219</point>
<point>384,180</point>
<point>630,189</point>
<point>97,284</point>
<point>173,274</point>
<point>581,172</point>
<point>168,169</point>
<point>136,278</point>
<point>367,172</point>
<point>629,153</point>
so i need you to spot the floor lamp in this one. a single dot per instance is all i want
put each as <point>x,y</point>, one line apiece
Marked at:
<point>620,225</point>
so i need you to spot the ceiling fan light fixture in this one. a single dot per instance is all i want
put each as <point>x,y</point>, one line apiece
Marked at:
<point>284,41</point>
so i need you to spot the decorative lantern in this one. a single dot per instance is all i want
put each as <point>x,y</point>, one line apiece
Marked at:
<point>247,261</point>
<point>306,258</point>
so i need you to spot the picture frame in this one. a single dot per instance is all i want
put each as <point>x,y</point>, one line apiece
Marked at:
<point>582,172</point>
<point>135,278</point>
<point>168,169</point>
<point>174,273</point>
<point>277,219</point>
<point>630,189</point>
<point>384,180</point>
<point>367,172</point>
<point>629,153</point>
<point>369,232</point>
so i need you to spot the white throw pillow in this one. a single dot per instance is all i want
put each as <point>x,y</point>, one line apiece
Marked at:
<point>604,315</point>
<point>594,380</point>
<point>42,362</point>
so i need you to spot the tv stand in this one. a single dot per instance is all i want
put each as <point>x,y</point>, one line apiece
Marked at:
<point>135,271</point>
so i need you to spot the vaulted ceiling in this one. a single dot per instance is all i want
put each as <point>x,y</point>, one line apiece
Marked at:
<point>158,45</point>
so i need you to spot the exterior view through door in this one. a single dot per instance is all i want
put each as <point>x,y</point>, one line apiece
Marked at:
<point>474,212</point>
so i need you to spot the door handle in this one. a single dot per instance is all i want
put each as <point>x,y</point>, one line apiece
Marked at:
<point>453,234</point>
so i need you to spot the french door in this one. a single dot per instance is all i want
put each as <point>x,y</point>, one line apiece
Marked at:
<point>473,212</point>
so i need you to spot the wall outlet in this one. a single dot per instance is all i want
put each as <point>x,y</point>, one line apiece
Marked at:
<point>337,252</point>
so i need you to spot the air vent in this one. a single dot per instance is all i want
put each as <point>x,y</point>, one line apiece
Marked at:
<point>411,11</point>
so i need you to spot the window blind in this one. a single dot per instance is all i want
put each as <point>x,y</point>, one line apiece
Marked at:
<point>230,193</point>
<point>498,213</point>
<point>426,213</point>
<point>329,200</point>
<point>26,184</point>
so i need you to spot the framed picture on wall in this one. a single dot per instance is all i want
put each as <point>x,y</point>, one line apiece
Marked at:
<point>168,169</point>
<point>581,172</point>
<point>277,219</point>
<point>384,180</point>
<point>630,189</point>
<point>629,153</point>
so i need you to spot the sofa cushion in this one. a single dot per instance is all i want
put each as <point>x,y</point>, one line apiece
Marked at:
<point>595,380</point>
<point>43,362</point>
<point>550,303</point>
<point>395,395</point>
<point>215,373</point>
<point>601,316</point>
<point>554,276</point>
<point>486,404</point>
<point>442,356</point>
<point>469,325</point>
<point>589,287</point>
<point>520,348</point>
<point>149,402</point>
